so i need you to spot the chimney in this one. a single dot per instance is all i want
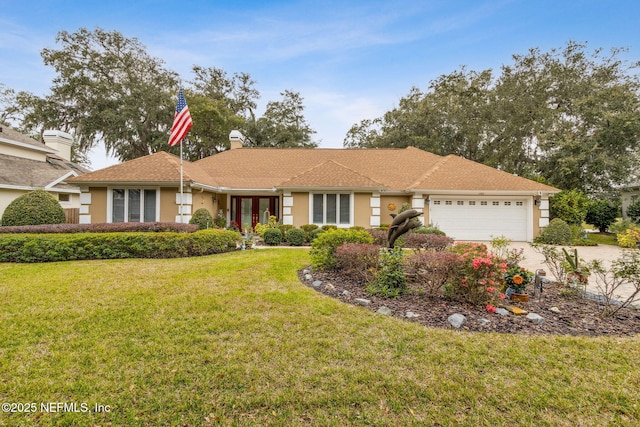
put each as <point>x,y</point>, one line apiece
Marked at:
<point>236,139</point>
<point>59,141</point>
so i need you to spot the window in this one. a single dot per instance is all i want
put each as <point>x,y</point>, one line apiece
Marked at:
<point>460,202</point>
<point>495,203</point>
<point>448,202</point>
<point>133,205</point>
<point>64,198</point>
<point>436,202</point>
<point>519,203</point>
<point>331,208</point>
<point>472,202</point>
<point>483,203</point>
<point>507,203</point>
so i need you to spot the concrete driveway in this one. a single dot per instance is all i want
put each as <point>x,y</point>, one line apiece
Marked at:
<point>606,253</point>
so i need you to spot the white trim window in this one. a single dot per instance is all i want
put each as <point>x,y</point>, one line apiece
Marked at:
<point>331,208</point>
<point>133,205</point>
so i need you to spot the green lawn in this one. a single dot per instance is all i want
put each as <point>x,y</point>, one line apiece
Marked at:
<point>236,339</point>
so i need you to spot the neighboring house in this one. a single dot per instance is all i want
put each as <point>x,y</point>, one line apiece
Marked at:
<point>345,187</point>
<point>27,165</point>
<point>629,194</point>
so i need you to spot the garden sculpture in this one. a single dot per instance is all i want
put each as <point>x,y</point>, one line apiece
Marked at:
<point>401,224</point>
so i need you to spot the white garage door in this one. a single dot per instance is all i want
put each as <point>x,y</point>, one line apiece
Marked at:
<point>482,218</point>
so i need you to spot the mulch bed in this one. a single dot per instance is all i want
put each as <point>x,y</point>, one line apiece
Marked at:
<point>577,314</point>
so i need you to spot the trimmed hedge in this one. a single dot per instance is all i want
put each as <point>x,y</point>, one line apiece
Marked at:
<point>66,247</point>
<point>202,218</point>
<point>100,228</point>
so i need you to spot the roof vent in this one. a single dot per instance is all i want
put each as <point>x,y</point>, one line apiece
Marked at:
<point>236,139</point>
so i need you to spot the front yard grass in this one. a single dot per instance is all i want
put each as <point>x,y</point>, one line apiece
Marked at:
<point>236,339</point>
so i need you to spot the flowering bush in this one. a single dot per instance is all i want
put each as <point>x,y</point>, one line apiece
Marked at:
<point>478,279</point>
<point>516,277</point>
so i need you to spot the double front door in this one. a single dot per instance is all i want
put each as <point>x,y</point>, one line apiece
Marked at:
<point>251,210</point>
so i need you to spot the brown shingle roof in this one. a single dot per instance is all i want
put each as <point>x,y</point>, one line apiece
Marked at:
<point>331,174</point>
<point>155,168</point>
<point>408,169</point>
<point>455,173</point>
<point>266,168</point>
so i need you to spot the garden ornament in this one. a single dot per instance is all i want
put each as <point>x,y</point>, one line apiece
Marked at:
<point>401,224</point>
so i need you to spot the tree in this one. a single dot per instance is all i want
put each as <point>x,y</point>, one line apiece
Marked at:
<point>569,205</point>
<point>282,125</point>
<point>109,89</point>
<point>567,116</point>
<point>601,214</point>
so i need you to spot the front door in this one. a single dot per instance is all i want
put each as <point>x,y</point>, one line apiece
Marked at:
<point>251,210</point>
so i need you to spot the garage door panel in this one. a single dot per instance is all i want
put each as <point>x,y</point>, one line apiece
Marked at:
<point>480,219</point>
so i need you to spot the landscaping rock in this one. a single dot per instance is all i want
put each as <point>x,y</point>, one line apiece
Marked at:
<point>316,283</point>
<point>308,277</point>
<point>329,287</point>
<point>363,302</point>
<point>411,315</point>
<point>484,322</point>
<point>554,310</point>
<point>306,271</point>
<point>384,310</point>
<point>502,312</point>
<point>535,318</point>
<point>457,320</point>
<point>346,293</point>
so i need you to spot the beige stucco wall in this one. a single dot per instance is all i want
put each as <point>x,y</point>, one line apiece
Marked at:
<point>168,207</point>
<point>385,212</point>
<point>300,209</point>
<point>362,209</point>
<point>98,206</point>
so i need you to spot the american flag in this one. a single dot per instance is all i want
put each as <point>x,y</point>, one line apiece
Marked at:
<point>181,121</point>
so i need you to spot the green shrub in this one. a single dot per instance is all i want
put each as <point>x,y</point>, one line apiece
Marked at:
<point>313,234</point>
<point>272,236</point>
<point>323,247</point>
<point>601,214</point>
<point>629,238</point>
<point>34,208</point>
<point>285,228</point>
<point>431,229</point>
<point>633,211</point>
<point>308,228</point>
<point>328,227</point>
<point>570,206</point>
<point>65,247</point>
<point>296,237</point>
<point>202,218</point>
<point>558,232</point>
<point>390,280</point>
<point>620,226</point>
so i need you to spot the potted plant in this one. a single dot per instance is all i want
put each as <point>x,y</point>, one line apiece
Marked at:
<point>576,273</point>
<point>517,278</point>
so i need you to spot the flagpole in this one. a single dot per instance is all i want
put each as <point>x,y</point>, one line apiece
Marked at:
<point>181,188</point>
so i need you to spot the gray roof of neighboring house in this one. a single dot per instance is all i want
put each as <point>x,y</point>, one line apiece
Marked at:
<point>20,172</point>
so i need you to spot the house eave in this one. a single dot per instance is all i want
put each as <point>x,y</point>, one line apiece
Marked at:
<point>31,188</point>
<point>308,189</point>
<point>485,192</point>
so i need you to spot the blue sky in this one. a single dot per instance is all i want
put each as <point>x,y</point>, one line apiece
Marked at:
<point>350,60</point>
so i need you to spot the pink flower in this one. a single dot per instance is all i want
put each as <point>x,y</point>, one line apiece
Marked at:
<point>501,296</point>
<point>490,308</point>
<point>491,289</point>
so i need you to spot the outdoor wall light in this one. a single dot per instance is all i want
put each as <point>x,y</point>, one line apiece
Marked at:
<point>537,202</point>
